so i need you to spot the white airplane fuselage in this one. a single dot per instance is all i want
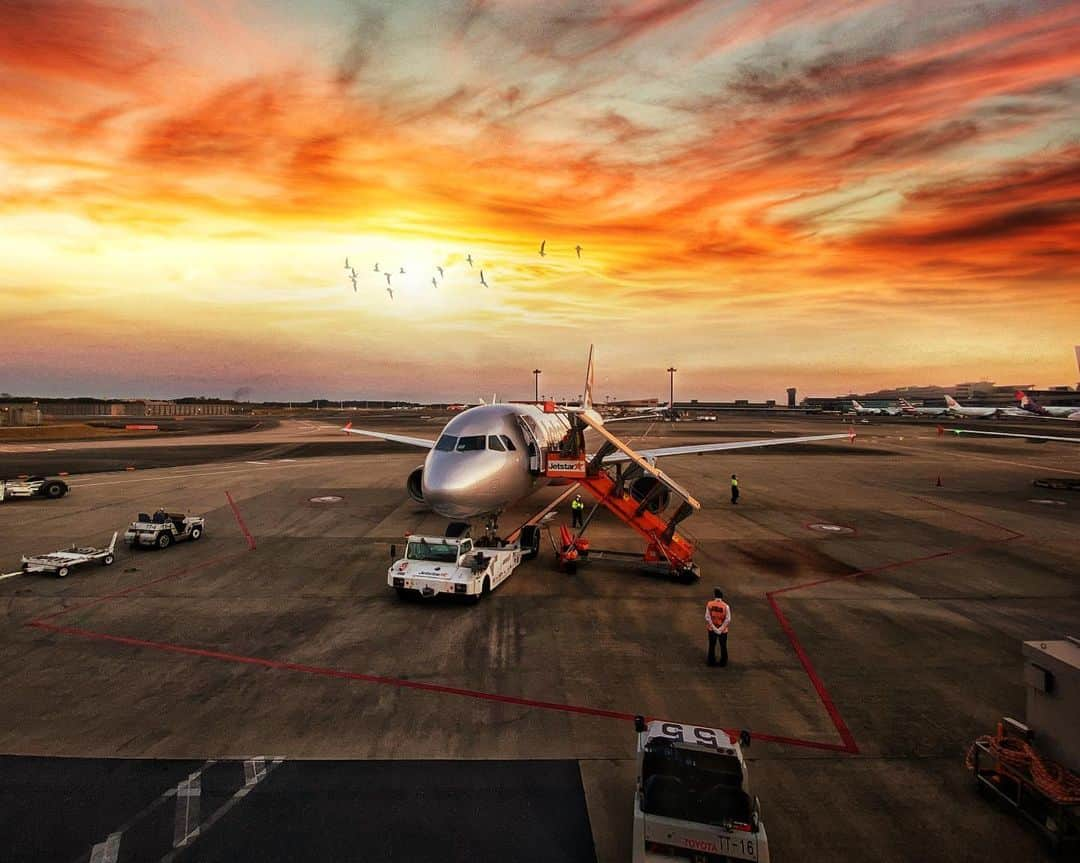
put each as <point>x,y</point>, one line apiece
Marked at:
<point>487,458</point>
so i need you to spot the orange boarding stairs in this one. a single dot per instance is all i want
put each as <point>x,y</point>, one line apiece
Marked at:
<point>636,495</point>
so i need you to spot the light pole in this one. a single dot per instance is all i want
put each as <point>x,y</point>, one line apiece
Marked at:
<point>536,385</point>
<point>671,396</point>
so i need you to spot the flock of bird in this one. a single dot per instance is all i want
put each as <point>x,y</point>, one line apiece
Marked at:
<point>353,275</point>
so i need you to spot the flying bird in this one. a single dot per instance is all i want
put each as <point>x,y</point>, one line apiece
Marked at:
<point>440,272</point>
<point>542,244</point>
<point>433,283</point>
<point>387,280</point>
<point>403,271</point>
<point>389,290</point>
<point>482,282</point>
<point>376,266</point>
<point>468,258</point>
<point>578,250</point>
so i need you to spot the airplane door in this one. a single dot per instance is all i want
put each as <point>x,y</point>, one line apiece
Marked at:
<point>532,445</point>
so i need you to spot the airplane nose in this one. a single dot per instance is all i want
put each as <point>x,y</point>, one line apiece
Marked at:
<point>446,486</point>
<point>458,486</point>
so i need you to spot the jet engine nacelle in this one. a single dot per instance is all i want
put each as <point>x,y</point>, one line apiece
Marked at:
<point>644,486</point>
<point>415,484</point>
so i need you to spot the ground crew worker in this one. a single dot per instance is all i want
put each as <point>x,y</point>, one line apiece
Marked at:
<point>718,619</point>
<point>734,489</point>
<point>577,507</point>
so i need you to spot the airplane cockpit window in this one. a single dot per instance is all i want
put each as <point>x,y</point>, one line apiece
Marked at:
<point>509,443</point>
<point>471,443</point>
<point>446,443</point>
<point>495,444</point>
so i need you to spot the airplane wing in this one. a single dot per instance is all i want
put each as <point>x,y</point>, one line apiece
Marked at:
<point>396,438</point>
<point>691,449</point>
<point>1014,434</point>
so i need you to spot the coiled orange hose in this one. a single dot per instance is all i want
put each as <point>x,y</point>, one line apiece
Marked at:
<point>1055,781</point>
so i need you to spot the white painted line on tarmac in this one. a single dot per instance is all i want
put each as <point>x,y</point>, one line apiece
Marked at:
<point>256,462</point>
<point>10,574</point>
<point>257,775</point>
<point>107,851</point>
<point>188,798</point>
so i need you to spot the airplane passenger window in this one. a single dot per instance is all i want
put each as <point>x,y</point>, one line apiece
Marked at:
<point>470,443</point>
<point>495,444</point>
<point>446,443</point>
<point>509,443</point>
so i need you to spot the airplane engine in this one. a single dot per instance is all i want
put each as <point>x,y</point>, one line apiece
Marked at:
<point>642,487</point>
<point>415,484</point>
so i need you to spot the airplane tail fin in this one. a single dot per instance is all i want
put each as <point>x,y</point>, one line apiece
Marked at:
<point>590,379</point>
<point>856,405</point>
<point>951,402</point>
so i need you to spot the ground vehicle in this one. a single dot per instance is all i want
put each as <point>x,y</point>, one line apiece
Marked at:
<point>458,565</point>
<point>163,529</point>
<point>32,486</point>
<point>60,563</point>
<point>693,797</point>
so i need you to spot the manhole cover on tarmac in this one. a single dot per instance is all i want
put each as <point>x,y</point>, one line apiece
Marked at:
<point>327,498</point>
<point>1045,501</point>
<point>831,528</point>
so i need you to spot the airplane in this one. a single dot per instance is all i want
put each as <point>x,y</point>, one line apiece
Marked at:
<point>880,412</point>
<point>957,409</point>
<point>1069,412</point>
<point>489,457</point>
<point>908,409</point>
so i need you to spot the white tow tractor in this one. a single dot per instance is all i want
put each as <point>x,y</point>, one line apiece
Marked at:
<point>163,528</point>
<point>60,563</point>
<point>693,799</point>
<point>32,486</point>
<point>459,566</point>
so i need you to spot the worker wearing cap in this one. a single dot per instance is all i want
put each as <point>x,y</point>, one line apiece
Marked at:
<point>734,489</point>
<point>718,619</point>
<point>577,507</point>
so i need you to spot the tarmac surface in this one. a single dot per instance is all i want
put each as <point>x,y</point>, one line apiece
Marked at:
<point>864,660</point>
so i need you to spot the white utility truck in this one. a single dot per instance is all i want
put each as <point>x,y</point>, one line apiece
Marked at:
<point>163,528</point>
<point>693,799</point>
<point>455,565</point>
<point>32,486</point>
<point>60,563</point>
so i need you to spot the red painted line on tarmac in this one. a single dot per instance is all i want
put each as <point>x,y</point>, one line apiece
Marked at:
<point>341,674</point>
<point>846,736</point>
<point>240,521</point>
<point>849,744</point>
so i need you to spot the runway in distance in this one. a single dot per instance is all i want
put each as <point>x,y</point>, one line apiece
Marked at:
<point>489,457</point>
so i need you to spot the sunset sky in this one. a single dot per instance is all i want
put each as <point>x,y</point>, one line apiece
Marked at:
<point>828,194</point>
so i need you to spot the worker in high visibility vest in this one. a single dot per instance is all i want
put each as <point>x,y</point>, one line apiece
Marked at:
<point>718,619</point>
<point>577,508</point>
<point>734,489</point>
